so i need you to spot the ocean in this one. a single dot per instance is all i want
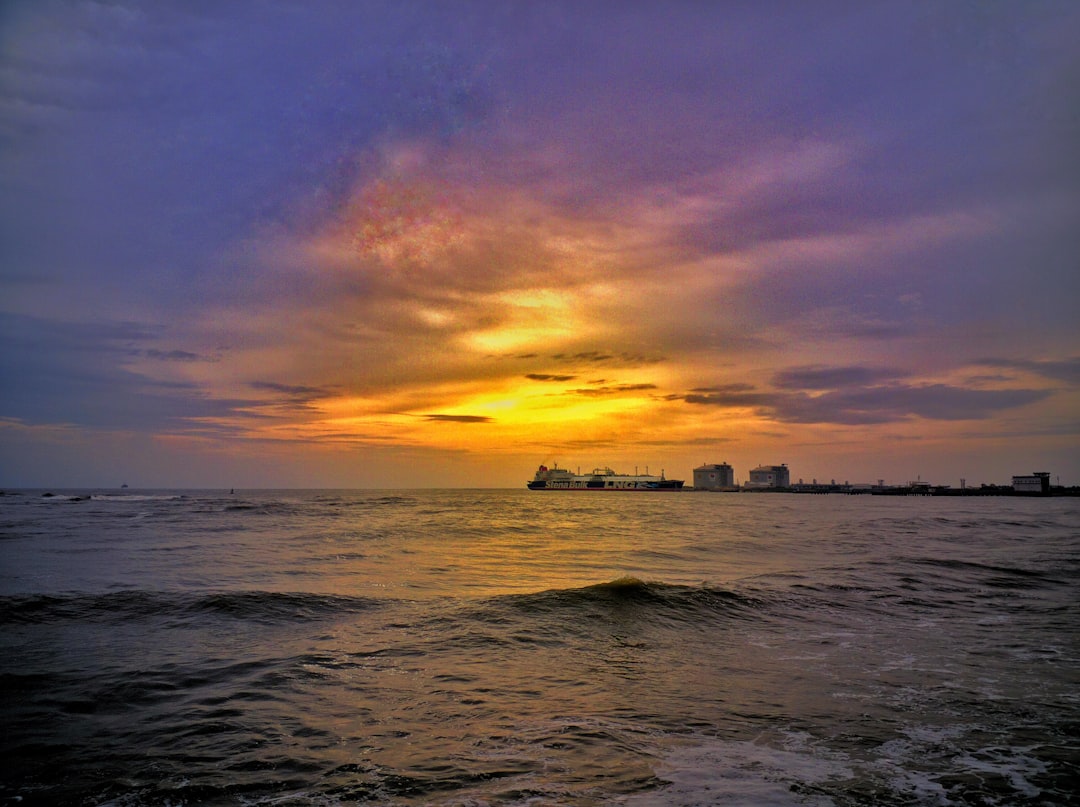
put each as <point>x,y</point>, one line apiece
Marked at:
<point>510,647</point>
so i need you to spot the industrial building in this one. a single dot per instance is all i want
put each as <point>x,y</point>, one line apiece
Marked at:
<point>770,476</point>
<point>714,477</point>
<point>1038,482</point>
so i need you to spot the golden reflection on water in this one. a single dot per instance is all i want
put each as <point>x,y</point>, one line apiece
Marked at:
<point>475,544</point>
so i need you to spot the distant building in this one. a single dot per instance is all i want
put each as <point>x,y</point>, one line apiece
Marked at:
<point>714,477</point>
<point>1038,482</point>
<point>770,476</point>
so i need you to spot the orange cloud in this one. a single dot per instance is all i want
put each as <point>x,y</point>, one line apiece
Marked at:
<point>441,309</point>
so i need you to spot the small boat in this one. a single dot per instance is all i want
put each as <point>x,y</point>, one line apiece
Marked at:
<point>556,478</point>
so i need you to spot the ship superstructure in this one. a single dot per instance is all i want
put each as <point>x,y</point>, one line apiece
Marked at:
<point>556,478</point>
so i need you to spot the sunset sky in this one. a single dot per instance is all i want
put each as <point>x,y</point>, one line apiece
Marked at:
<point>405,244</point>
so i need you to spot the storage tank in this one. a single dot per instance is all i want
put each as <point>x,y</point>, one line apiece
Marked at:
<point>717,476</point>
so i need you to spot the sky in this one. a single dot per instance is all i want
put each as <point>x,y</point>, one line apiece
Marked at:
<point>436,244</point>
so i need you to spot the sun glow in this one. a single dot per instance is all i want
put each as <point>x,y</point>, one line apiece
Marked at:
<point>489,416</point>
<point>532,317</point>
<point>481,316</point>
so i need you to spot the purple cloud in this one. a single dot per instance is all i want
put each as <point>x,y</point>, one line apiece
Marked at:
<point>825,378</point>
<point>1067,370</point>
<point>863,405</point>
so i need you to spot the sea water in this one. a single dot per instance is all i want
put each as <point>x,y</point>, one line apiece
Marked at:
<point>504,647</point>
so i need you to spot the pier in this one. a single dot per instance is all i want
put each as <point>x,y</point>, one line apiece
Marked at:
<point>719,478</point>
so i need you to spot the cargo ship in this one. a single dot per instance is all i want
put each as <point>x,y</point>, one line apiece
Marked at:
<point>557,478</point>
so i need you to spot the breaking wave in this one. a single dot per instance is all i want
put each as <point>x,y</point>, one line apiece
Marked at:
<point>258,606</point>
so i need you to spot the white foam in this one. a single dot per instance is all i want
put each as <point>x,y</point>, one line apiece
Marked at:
<point>1012,764</point>
<point>899,763</point>
<point>716,772</point>
<point>136,497</point>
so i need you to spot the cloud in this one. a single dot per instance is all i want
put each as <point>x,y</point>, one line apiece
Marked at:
<point>57,371</point>
<point>898,402</point>
<point>459,418</point>
<point>732,395</point>
<point>733,387</point>
<point>1067,370</point>
<point>549,377</point>
<point>91,336</point>
<point>330,215</point>
<point>816,377</point>
<point>857,404</point>
<point>617,389</point>
<point>601,357</point>
<point>172,355</point>
<point>297,391</point>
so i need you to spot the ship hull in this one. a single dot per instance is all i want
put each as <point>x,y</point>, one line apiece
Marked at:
<point>599,480</point>
<point>669,484</point>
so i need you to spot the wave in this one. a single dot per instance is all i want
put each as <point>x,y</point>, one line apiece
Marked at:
<point>137,497</point>
<point>322,506</point>
<point>264,508</point>
<point>364,502</point>
<point>992,575</point>
<point>927,586</point>
<point>624,596</point>
<point>282,606</point>
<point>633,595</point>
<point>122,606</point>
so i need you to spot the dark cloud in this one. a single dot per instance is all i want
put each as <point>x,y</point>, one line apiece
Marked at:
<point>625,358</point>
<point>1067,370</point>
<point>291,390</point>
<point>692,441</point>
<point>172,355</point>
<point>733,398</point>
<point>76,372</point>
<point>549,377</point>
<point>41,334</point>
<point>898,402</point>
<point>864,405</point>
<point>983,379</point>
<point>824,378</point>
<point>459,418</point>
<point>587,356</point>
<point>725,388</point>
<point>617,389</point>
<point>1053,427</point>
